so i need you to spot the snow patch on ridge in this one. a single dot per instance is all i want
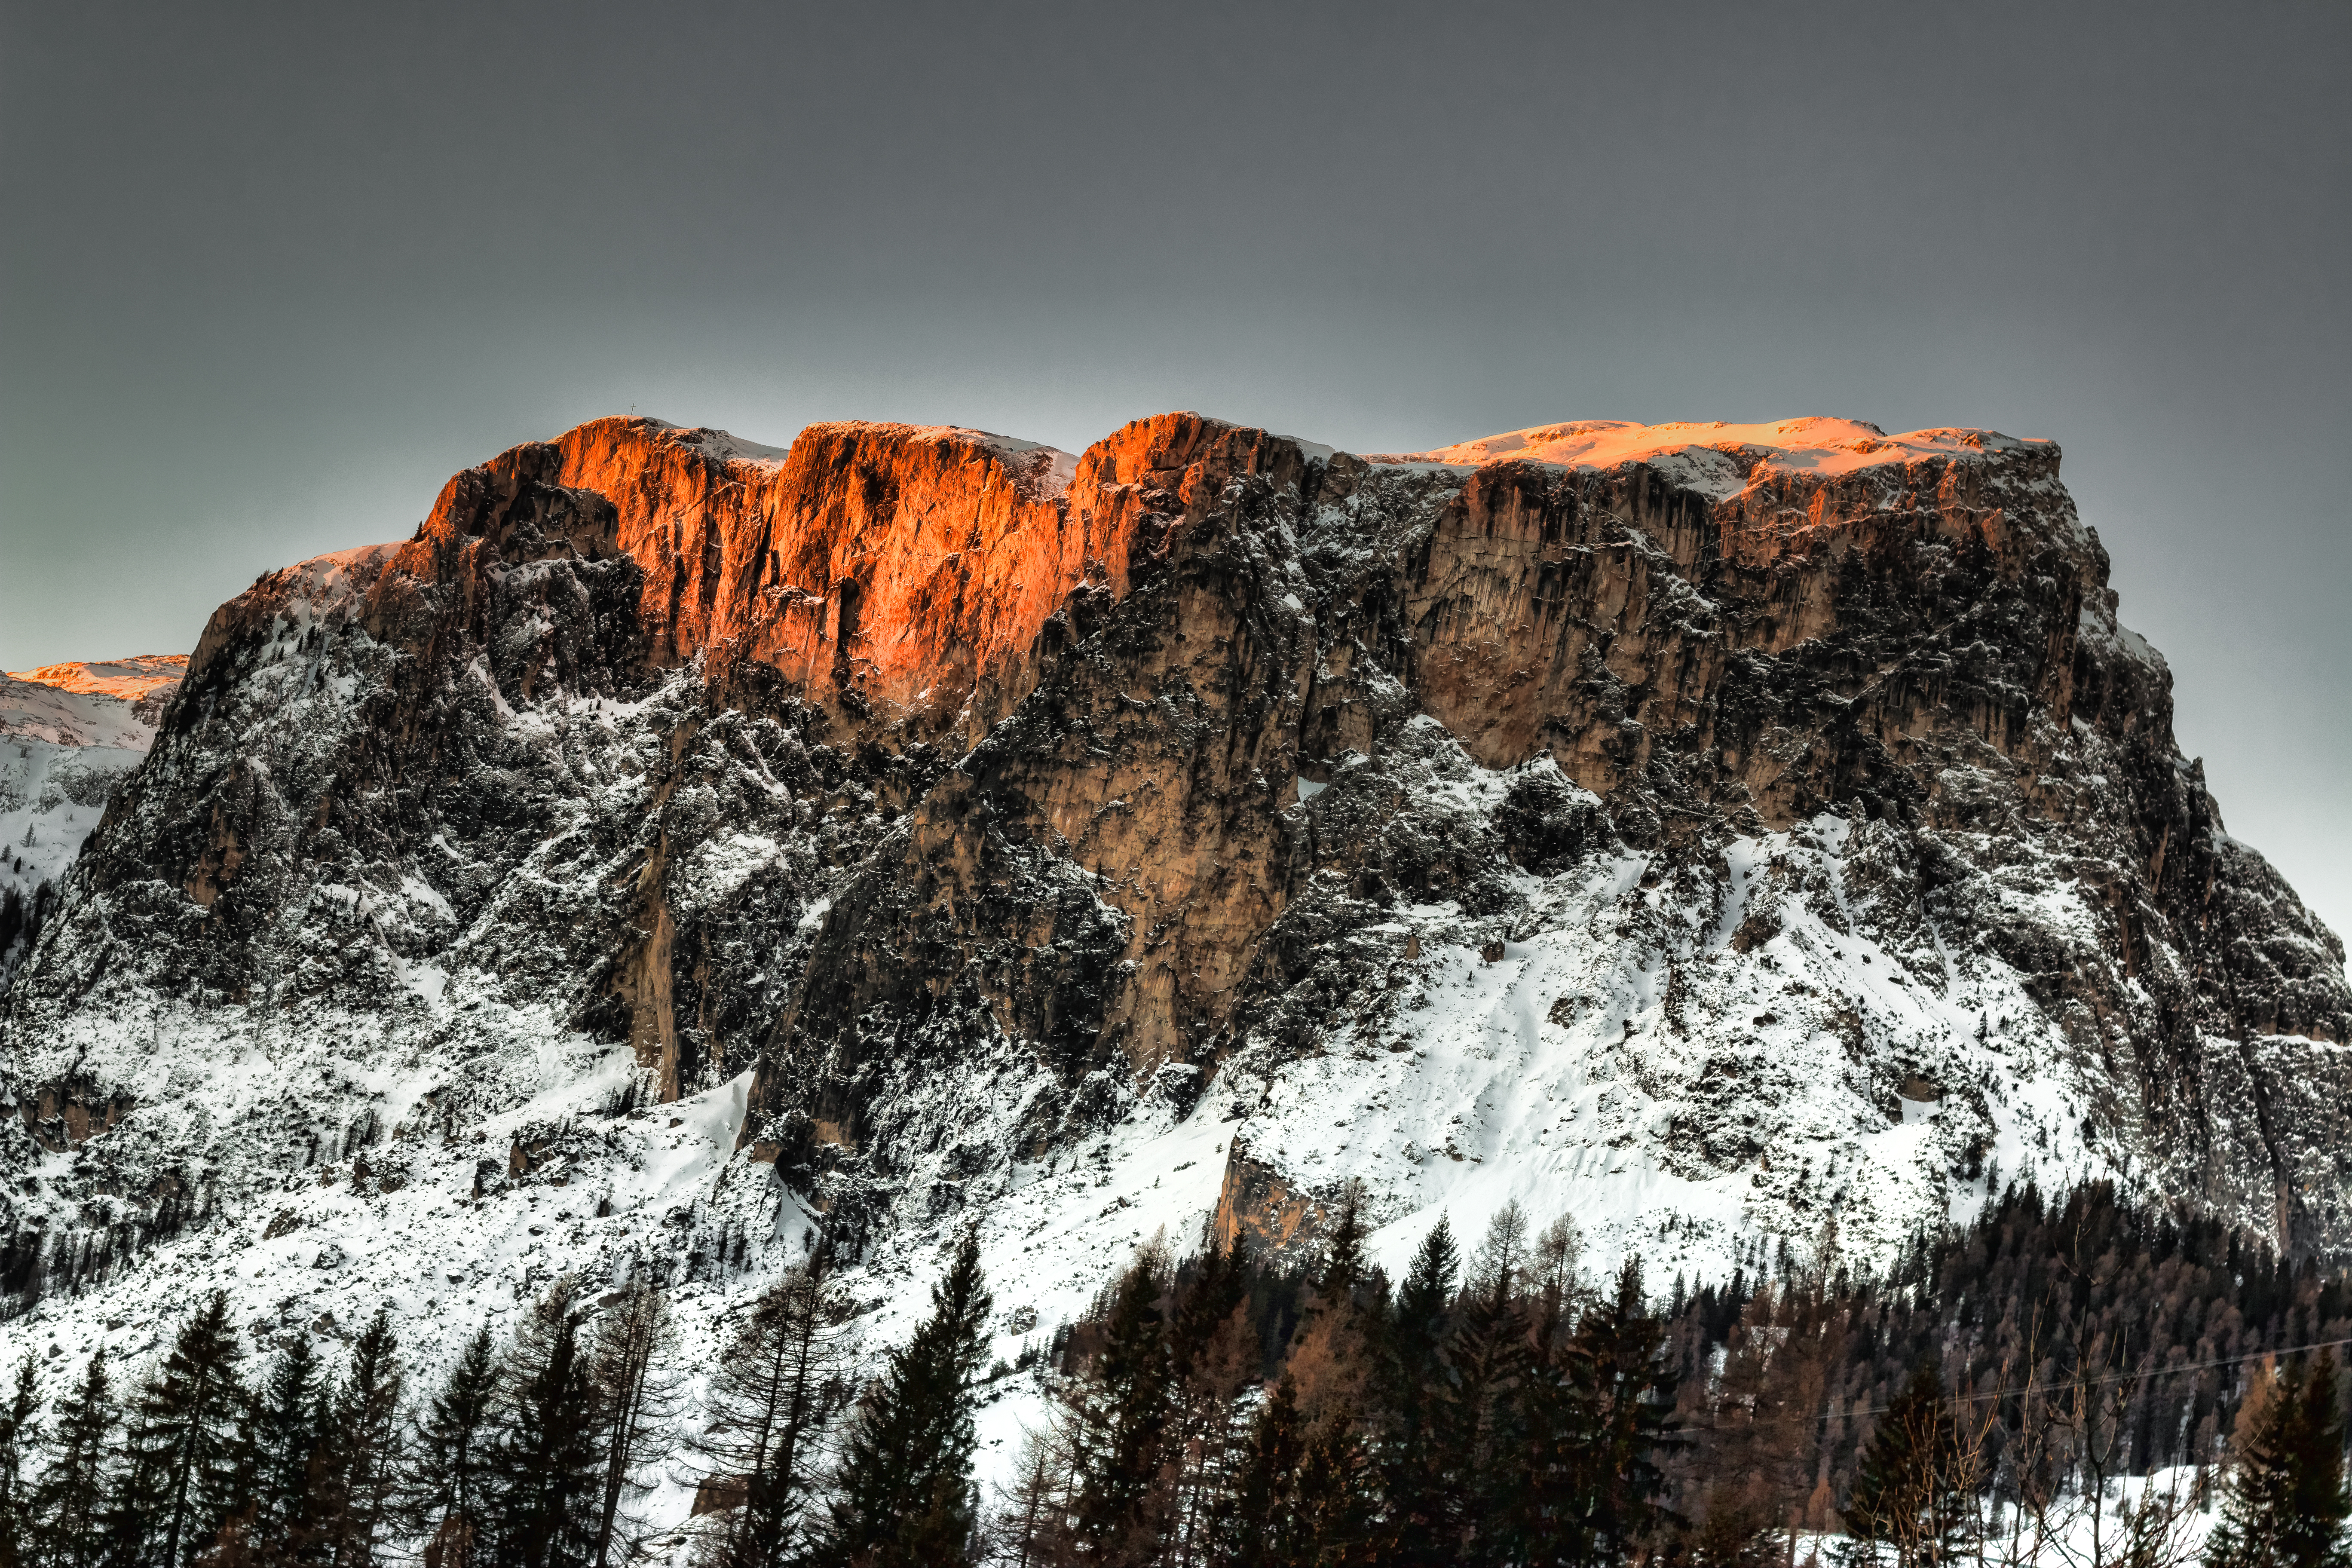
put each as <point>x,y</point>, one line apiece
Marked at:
<point>69,734</point>
<point>1717,458</point>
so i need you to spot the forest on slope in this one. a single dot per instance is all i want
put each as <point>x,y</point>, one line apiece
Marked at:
<point>1989,1398</point>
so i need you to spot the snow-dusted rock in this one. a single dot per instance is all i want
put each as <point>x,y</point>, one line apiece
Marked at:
<point>678,844</point>
<point>68,735</point>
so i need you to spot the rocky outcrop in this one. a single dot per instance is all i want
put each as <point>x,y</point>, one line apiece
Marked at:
<point>1692,797</point>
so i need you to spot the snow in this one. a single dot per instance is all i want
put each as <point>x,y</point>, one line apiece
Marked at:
<point>1721,459</point>
<point>141,676</point>
<point>1684,1059</point>
<point>69,734</point>
<point>1042,471</point>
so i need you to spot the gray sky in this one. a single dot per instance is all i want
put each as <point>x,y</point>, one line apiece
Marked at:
<point>270,275</point>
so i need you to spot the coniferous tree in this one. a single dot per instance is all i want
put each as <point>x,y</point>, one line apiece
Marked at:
<point>273,1494</point>
<point>635,1399</point>
<point>1620,1398</point>
<point>1905,1499</point>
<point>1268,1526</point>
<point>770,1398</point>
<point>904,1495</point>
<point>448,1486</point>
<point>1330,1356</point>
<point>1481,1416</point>
<point>1118,1506</point>
<point>68,1504</point>
<point>368,1448</point>
<point>548,1466</point>
<point>1535,1478</point>
<point>1213,1358</point>
<point>175,1490</point>
<point>1421,1519</point>
<point>2285,1506</point>
<point>20,1465</point>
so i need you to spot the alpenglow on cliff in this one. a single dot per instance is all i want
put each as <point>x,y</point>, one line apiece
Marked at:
<point>1712,830</point>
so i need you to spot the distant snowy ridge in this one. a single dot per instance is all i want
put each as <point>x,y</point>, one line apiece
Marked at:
<point>69,734</point>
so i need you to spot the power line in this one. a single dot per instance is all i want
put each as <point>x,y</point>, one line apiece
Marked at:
<point>2033,1388</point>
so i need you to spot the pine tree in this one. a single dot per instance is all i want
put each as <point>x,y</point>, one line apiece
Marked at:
<point>175,1490</point>
<point>548,1469</point>
<point>70,1499</point>
<point>635,1400</point>
<point>368,1448</point>
<point>904,1495</point>
<point>447,1488</point>
<point>2285,1506</point>
<point>1905,1497</point>
<point>770,1397</point>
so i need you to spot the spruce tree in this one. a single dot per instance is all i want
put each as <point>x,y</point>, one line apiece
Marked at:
<point>547,1465</point>
<point>1343,1266</point>
<point>368,1448</point>
<point>1213,1358</point>
<point>1129,1400</point>
<point>1905,1497</point>
<point>175,1490</point>
<point>276,1490</point>
<point>2286,1505</point>
<point>1422,1519</point>
<point>68,1504</point>
<point>20,1464</point>
<point>904,1496</point>
<point>768,1399</point>
<point>449,1483</point>
<point>1268,1528</point>
<point>1621,1396</point>
<point>1480,1431</point>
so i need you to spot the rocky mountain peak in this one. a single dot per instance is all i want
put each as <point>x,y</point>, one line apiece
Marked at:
<point>1710,830</point>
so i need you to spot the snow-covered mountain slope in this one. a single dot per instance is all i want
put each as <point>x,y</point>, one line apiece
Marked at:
<point>678,844</point>
<point>68,733</point>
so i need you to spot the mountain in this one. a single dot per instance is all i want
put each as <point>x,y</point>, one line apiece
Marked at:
<point>678,844</point>
<point>68,733</point>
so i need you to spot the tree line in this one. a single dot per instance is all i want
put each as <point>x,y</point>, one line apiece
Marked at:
<point>527,1455</point>
<point>1987,1398</point>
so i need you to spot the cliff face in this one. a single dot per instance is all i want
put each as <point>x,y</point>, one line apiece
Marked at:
<point>1711,831</point>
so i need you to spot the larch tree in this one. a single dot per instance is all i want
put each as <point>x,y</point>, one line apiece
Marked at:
<point>769,1399</point>
<point>637,1399</point>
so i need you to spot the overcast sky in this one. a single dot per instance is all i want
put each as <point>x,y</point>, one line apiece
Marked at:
<point>270,275</point>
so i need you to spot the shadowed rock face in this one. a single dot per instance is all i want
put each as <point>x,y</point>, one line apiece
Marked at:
<point>914,757</point>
